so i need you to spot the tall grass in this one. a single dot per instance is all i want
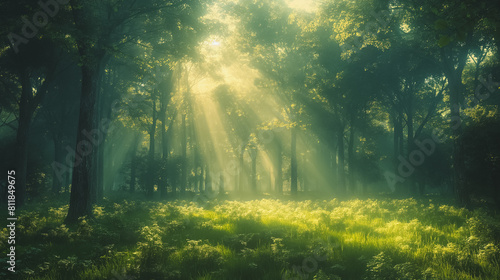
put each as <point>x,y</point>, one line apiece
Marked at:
<point>260,239</point>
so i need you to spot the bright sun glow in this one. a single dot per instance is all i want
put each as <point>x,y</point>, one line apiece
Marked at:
<point>309,6</point>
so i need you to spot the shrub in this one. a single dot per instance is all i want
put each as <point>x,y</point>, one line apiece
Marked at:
<point>380,267</point>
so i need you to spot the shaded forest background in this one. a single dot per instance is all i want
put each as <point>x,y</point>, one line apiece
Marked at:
<point>161,98</point>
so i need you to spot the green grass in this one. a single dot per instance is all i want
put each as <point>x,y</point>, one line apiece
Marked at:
<point>259,239</point>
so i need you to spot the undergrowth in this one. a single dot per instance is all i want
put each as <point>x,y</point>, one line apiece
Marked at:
<point>259,239</point>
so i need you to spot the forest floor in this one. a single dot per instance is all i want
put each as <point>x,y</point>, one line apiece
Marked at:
<point>257,239</point>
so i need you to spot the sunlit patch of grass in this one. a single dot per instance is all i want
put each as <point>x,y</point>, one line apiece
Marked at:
<point>372,239</point>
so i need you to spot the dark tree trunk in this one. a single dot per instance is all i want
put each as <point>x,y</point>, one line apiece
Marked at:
<point>208,179</point>
<point>351,160</point>
<point>152,133</point>
<point>202,179</point>
<point>94,192</point>
<point>401,133</point>
<point>253,176</point>
<point>93,174</point>
<point>302,176</point>
<point>133,165</point>
<point>25,115</point>
<point>397,128</point>
<point>461,191</point>
<point>164,146</point>
<point>398,144</point>
<point>164,156</point>
<point>83,177</point>
<point>410,139</point>
<point>92,55</point>
<point>100,169</point>
<point>454,75</point>
<point>242,173</point>
<point>22,161</point>
<point>333,165</point>
<point>278,179</point>
<point>174,185</point>
<point>399,187</point>
<point>293,163</point>
<point>133,172</point>
<point>196,164</point>
<point>104,113</point>
<point>341,159</point>
<point>184,156</point>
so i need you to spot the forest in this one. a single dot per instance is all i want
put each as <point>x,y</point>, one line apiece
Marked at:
<point>250,139</point>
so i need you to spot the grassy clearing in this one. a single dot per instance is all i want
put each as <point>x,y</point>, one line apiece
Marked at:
<point>260,239</point>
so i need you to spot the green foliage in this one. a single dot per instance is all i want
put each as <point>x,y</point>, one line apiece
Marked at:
<point>381,267</point>
<point>262,239</point>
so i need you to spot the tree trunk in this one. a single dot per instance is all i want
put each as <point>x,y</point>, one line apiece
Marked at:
<point>401,132</point>
<point>104,113</point>
<point>454,76</point>
<point>133,165</point>
<point>410,139</point>
<point>164,154</point>
<point>351,160</point>
<point>184,156</point>
<point>106,99</point>
<point>398,144</point>
<point>100,169</point>
<point>164,101</point>
<point>333,164</point>
<point>242,173</point>
<point>83,172</point>
<point>94,192</point>
<point>253,176</point>
<point>202,179</point>
<point>397,128</point>
<point>302,176</point>
<point>152,133</point>
<point>458,155</point>
<point>278,179</point>
<point>293,163</point>
<point>133,172</point>
<point>25,116</point>
<point>208,179</point>
<point>83,177</point>
<point>93,172</point>
<point>341,159</point>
